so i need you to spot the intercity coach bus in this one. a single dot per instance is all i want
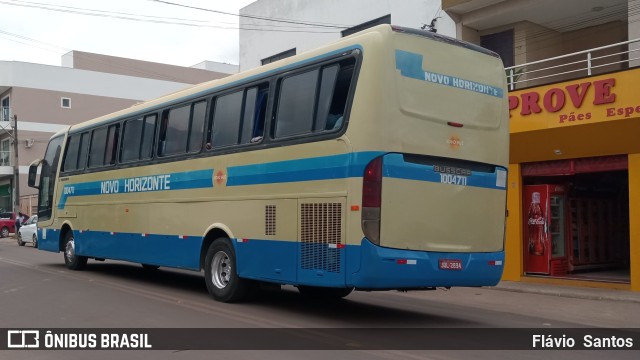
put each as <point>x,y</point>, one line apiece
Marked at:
<point>377,162</point>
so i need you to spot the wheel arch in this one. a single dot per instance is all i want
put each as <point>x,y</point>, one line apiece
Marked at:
<point>212,233</point>
<point>64,229</point>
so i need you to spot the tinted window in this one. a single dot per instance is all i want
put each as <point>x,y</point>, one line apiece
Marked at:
<point>176,131</point>
<point>112,145</point>
<point>48,178</point>
<point>314,101</point>
<point>296,104</point>
<point>84,147</point>
<point>197,126</point>
<point>132,133</point>
<point>73,148</point>
<point>98,145</point>
<point>148,135</point>
<point>327,84</point>
<point>226,120</point>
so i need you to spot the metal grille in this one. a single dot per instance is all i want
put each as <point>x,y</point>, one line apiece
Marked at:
<point>270,220</point>
<point>321,232</point>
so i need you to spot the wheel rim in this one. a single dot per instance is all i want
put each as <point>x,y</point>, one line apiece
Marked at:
<point>5,232</point>
<point>70,250</point>
<point>220,269</point>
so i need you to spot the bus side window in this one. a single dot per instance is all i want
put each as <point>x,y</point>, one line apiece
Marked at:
<point>162,134</point>
<point>255,106</point>
<point>335,118</point>
<point>112,144</point>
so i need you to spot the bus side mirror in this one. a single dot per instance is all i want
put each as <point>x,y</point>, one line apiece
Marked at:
<point>33,174</point>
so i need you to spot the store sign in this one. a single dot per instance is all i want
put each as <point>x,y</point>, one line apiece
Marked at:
<point>596,99</point>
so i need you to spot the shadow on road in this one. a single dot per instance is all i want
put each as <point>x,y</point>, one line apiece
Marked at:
<point>355,310</point>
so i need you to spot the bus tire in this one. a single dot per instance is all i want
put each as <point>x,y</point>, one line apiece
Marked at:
<point>319,292</point>
<point>220,273</point>
<point>71,260</point>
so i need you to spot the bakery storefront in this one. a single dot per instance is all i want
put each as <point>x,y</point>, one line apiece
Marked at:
<point>574,183</point>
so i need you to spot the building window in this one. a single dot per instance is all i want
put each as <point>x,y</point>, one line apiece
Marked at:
<point>5,109</point>
<point>5,153</point>
<point>280,56</point>
<point>369,24</point>
<point>65,102</point>
<point>502,44</point>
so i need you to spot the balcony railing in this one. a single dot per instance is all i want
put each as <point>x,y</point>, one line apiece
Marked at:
<point>589,62</point>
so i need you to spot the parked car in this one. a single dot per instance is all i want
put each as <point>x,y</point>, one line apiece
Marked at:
<point>28,232</point>
<point>8,223</point>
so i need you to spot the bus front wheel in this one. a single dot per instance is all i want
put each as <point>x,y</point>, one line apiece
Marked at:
<point>220,273</point>
<point>73,261</point>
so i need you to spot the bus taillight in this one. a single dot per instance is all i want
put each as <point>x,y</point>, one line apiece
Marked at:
<point>371,200</point>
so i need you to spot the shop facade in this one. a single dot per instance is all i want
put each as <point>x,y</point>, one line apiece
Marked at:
<point>574,183</point>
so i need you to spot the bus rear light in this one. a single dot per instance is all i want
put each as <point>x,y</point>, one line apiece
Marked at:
<point>372,184</point>
<point>371,200</point>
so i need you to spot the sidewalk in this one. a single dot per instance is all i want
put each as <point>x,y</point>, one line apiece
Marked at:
<point>569,291</point>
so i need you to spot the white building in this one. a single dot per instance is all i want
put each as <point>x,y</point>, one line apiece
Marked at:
<point>290,29</point>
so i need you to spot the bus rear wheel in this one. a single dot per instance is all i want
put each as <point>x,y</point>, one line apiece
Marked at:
<point>220,273</point>
<point>73,261</point>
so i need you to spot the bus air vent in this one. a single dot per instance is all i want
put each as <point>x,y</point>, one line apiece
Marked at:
<point>270,220</point>
<point>321,236</point>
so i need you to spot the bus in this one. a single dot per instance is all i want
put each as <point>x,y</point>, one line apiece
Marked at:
<point>376,162</point>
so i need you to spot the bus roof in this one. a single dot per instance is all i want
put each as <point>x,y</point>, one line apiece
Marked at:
<point>344,44</point>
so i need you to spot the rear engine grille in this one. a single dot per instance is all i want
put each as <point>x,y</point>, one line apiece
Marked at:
<point>321,233</point>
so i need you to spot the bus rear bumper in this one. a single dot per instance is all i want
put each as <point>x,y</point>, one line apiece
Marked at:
<point>385,268</point>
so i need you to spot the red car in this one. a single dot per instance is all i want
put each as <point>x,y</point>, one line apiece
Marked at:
<point>8,223</point>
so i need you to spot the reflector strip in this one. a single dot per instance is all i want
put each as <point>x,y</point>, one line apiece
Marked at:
<point>243,240</point>
<point>144,235</point>
<point>112,233</point>
<point>337,246</point>
<point>495,262</point>
<point>406,262</point>
<point>182,236</point>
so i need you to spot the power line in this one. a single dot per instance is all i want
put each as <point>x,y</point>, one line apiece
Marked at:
<point>317,24</point>
<point>156,21</point>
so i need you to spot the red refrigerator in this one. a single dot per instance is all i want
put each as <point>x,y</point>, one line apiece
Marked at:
<point>544,229</point>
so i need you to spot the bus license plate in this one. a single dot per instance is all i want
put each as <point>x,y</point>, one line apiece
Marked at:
<point>450,264</point>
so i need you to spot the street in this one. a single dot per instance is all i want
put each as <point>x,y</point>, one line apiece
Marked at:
<point>37,291</point>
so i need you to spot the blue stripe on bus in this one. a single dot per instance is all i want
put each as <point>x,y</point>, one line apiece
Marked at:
<point>394,166</point>
<point>196,179</point>
<point>310,169</point>
<point>364,266</point>
<point>410,65</point>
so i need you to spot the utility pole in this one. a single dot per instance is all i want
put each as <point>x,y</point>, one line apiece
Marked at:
<point>16,168</point>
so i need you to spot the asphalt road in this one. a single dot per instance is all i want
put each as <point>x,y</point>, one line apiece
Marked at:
<point>37,291</point>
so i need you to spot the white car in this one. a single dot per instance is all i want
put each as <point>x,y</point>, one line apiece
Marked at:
<point>28,232</point>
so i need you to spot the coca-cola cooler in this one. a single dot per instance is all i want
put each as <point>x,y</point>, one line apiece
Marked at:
<point>544,230</point>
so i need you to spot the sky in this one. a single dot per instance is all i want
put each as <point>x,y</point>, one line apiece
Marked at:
<point>41,31</point>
